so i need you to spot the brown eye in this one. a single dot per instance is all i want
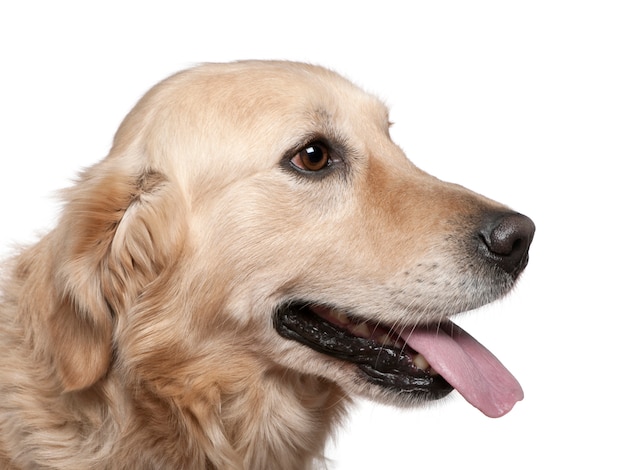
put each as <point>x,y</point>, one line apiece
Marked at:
<point>313,157</point>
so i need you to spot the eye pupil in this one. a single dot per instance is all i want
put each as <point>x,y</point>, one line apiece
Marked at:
<point>314,157</point>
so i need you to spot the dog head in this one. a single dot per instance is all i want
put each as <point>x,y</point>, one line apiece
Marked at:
<point>262,207</point>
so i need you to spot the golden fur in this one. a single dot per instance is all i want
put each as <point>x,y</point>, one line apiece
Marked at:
<point>138,333</point>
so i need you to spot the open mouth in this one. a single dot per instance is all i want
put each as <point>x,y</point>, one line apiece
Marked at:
<point>426,361</point>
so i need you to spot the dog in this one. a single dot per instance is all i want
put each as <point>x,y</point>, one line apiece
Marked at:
<point>253,253</point>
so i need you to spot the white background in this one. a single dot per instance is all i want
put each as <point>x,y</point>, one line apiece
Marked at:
<point>522,101</point>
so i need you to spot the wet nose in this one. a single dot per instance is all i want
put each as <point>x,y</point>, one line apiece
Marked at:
<point>505,240</point>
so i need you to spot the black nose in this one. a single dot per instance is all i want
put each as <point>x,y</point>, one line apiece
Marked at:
<point>505,240</point>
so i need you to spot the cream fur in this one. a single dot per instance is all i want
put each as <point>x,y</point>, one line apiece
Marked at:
<point>138,333</point>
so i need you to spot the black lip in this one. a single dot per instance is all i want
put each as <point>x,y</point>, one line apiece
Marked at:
<point>386,366</point>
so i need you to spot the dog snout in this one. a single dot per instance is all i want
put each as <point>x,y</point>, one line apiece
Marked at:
<point>505,240</point>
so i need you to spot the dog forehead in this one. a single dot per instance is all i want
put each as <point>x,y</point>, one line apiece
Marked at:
<point>260,89</point>
<point>226,111</point>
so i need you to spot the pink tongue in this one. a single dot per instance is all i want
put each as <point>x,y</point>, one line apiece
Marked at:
<point>468,366</point>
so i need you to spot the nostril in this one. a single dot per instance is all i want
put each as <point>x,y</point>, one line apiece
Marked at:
<point>508,233</point>
<point>506,238</point>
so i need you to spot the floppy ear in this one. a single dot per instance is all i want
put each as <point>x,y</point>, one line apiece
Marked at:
<point>118,232</point>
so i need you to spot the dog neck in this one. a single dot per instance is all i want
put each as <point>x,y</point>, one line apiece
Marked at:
<point>274,419</point>
<point>158,405</point>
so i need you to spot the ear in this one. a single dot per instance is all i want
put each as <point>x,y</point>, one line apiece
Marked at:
<point>118,232</point>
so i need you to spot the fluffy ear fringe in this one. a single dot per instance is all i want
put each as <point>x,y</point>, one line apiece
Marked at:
<point>118,234</point>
